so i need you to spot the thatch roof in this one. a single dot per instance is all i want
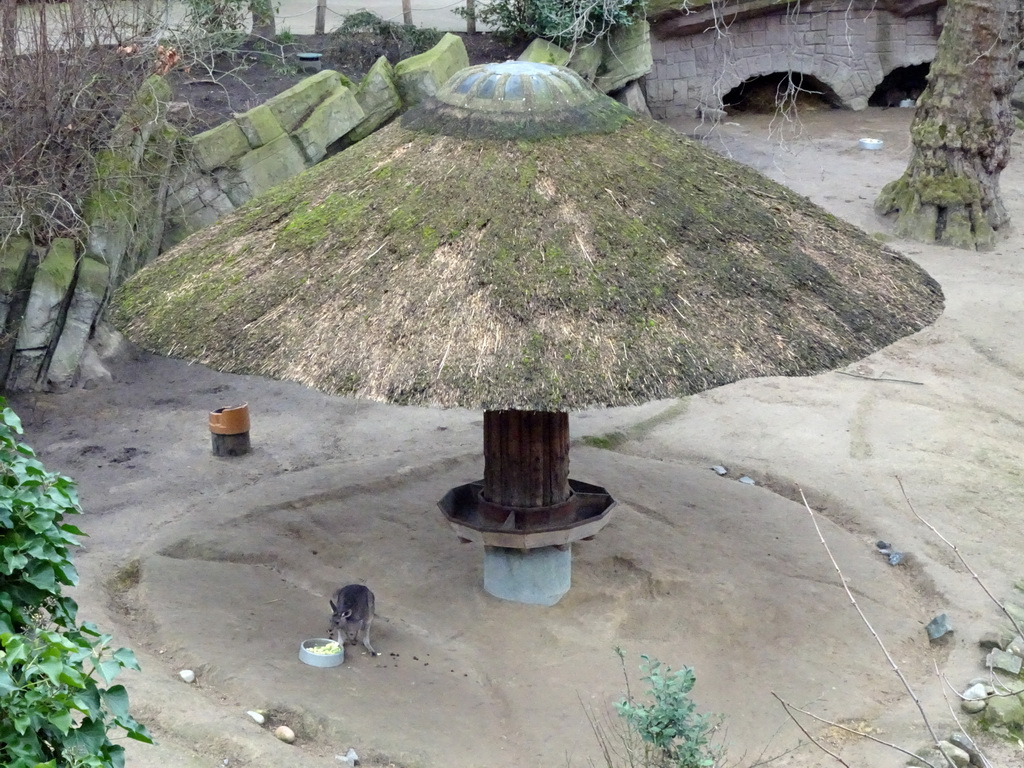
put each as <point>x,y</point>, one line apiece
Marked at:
<point>550,275</point>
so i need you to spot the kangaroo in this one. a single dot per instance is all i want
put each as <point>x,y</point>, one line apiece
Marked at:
<point>352,614</point>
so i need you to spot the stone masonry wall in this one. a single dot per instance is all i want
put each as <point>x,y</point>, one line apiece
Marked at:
<point>154,186</point>
<point>850,47</point>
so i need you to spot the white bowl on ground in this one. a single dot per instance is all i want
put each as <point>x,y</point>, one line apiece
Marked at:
<point>871,143</point>
<point>306,656</point>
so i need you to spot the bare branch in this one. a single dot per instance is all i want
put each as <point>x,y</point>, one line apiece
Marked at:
<point>818,744</point>
<point>871,629</point>
<point>960,557</point>
<point>855,732</point>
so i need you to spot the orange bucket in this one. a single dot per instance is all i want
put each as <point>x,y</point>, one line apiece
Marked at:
<point>233,420</point>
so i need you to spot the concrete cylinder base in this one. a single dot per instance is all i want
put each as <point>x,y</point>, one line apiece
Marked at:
<point>534,576</point>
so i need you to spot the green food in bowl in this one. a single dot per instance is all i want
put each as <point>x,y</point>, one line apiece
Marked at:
<point>327,649</point>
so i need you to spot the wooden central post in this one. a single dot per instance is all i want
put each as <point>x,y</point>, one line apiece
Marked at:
<point>526,458</point>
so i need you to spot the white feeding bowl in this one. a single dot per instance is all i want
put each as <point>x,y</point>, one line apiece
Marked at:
<point>307,655</point>
<point>871,143</point>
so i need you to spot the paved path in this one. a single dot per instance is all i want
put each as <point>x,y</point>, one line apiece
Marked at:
<point>299,15</point>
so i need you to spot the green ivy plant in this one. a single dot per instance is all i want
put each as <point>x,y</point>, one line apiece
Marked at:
<point>677,735</point>
<point>57,707</point>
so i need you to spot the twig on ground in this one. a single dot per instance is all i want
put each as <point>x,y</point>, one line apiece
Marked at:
<point>818,744</point>
<point>855,732</point>
<point>879,378</point>
<point>960,557</point>
<point>892,662</point>
<point>973,752</point>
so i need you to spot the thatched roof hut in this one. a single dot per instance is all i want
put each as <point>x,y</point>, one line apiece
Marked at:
<point>606,268</point>
<point>525,246</point>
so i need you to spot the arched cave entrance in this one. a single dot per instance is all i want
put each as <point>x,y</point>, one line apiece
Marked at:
<point>780,90</point>
<point>902,83</point>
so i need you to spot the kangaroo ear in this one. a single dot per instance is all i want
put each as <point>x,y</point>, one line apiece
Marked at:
<point>346,614</point>
<point>334,607</point>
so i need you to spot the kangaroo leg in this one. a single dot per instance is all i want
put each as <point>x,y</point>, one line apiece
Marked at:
<point>366,638</point>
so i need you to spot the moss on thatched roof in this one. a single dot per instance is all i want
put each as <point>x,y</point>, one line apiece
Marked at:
<point>551,275</point>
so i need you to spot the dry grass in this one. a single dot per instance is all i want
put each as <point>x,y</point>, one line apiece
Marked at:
<point>549,275</point>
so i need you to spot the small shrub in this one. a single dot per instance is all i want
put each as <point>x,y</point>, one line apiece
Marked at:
<point>363,37</point>
<point>674,733</point>
<point>564,22</point>
<point>55,711</point>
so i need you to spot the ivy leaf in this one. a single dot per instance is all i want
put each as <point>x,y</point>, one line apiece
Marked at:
<point>126,656</point>
<point>7,684</point>
<point>108,670</point>
<point>140,734</point>
<point>12,420</point>
<point>41,575</point>
<point>67,574</point>
<point>116,699</point>
<point>21,723</point>
<point>88,701</point>
<point>116,755</point>
<point>61,721</point>
<point>52,668</point>
<point>87,737</point>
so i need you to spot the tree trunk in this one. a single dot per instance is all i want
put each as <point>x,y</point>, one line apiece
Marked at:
<point>526,458</point>
<point>949,193</point>
<point>264,24</point>
<point>8,29</point>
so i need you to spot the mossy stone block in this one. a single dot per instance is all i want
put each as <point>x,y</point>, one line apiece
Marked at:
<point>627,56</point>
<point>218,146</point>
<point>378,97</point>
<point>542,51</point>
<point>420,76</point>
<point>1006,711</point>
<point>12,260</point>
<point>293,106</point>
<point>93,279</point>
<point>269,165</point>
<point>50,286</point>
<point>259,125</point>
<point>338,114</point>
<point>586,59</point>
<point>144,115</point>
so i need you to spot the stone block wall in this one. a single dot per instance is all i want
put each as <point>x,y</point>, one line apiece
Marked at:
<point>154,186</point>
<point>849,46</point>
<point>230,164</point>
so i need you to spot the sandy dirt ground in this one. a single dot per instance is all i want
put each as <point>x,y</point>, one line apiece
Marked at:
<point>224,565</point>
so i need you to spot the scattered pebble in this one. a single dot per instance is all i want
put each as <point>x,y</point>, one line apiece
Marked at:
<point>973,706</point>
<point>954,753</point>
<point>187,675</point>
<point>720,470</point>
<point>995,639</point>
<point>748,480</point>
<point>349,758</point>
<point>1004,661</point>
<point>285,734</point>
<point>256,716</point>
<point>978,691</point>
<point>975,698</point>
<point>1016,646</point>
<point>938,627</point>
<point>895,557</point>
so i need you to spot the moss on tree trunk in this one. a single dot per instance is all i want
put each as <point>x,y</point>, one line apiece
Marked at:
<point>949,193</point>
<point>264,23</point>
